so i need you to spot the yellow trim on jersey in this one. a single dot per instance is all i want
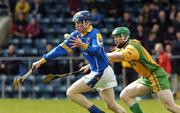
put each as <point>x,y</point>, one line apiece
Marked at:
<point>68,49</point>
<point>157,82</point>
<point>99,39</point>
<point>154,83</point>
<point>43,60</point>
<point>89,29</point>
<point>84,46</point>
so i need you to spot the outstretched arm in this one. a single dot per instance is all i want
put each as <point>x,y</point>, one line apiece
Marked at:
<point>57,51</point>
<point>128,54</point>
<point>115,56</point>
<point>62,49</point>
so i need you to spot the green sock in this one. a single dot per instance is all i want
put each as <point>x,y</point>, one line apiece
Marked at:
<point>135,108</point>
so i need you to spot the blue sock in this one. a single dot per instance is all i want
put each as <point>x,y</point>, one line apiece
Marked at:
<point>94,109</point>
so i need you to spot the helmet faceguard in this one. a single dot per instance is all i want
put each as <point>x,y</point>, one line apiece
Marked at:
<point>123,34</point>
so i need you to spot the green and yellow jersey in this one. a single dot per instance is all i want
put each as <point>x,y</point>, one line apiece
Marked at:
<point>142,62</point>
<point>136,55</point>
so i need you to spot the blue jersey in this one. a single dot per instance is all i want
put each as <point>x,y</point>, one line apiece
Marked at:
<point>94,53</point>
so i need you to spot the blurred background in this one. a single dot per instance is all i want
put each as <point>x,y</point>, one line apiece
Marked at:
<point>31,28</point>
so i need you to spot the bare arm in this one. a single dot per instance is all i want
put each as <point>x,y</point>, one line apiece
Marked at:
<point>115,56</point>
<point>128,54</point>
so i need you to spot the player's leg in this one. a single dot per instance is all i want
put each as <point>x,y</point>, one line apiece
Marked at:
<point>129,93</point>
<point>164,93</point>
<point>166,97</point>
<point>75,90</point>
<point>74,93</point>
<point>173,83</point>
<point>105,88</point>
<point>108,97</point>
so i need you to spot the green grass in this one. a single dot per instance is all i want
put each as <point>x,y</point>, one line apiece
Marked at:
<point>66,106</point>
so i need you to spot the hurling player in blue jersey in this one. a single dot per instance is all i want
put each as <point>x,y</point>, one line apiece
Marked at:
<point>101,77</point>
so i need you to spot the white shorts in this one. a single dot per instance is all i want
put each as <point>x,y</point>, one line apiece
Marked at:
<point>101,81</point>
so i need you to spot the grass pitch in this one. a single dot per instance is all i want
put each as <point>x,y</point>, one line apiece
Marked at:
<point>66,106</point>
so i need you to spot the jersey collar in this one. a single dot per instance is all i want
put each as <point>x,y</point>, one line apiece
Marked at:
<point>89,29</point>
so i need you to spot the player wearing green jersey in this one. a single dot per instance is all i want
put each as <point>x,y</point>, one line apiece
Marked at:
<point>153,78</point>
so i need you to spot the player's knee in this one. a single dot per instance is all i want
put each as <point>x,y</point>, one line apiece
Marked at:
<point>69,92</point>
<point>170,107</point>
<point>124,95</point>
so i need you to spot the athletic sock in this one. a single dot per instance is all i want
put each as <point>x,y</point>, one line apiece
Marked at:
<point>135,108</point>
<point>94,109</point>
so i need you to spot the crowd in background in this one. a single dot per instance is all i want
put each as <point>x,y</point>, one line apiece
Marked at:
<point>151,22</point>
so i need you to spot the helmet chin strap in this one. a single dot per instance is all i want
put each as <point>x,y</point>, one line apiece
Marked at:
<point>121,45</point>
<point>124,37</point>
<point>125,41</point>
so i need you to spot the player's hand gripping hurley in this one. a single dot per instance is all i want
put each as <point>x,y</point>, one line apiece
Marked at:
<point>18,81</point>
